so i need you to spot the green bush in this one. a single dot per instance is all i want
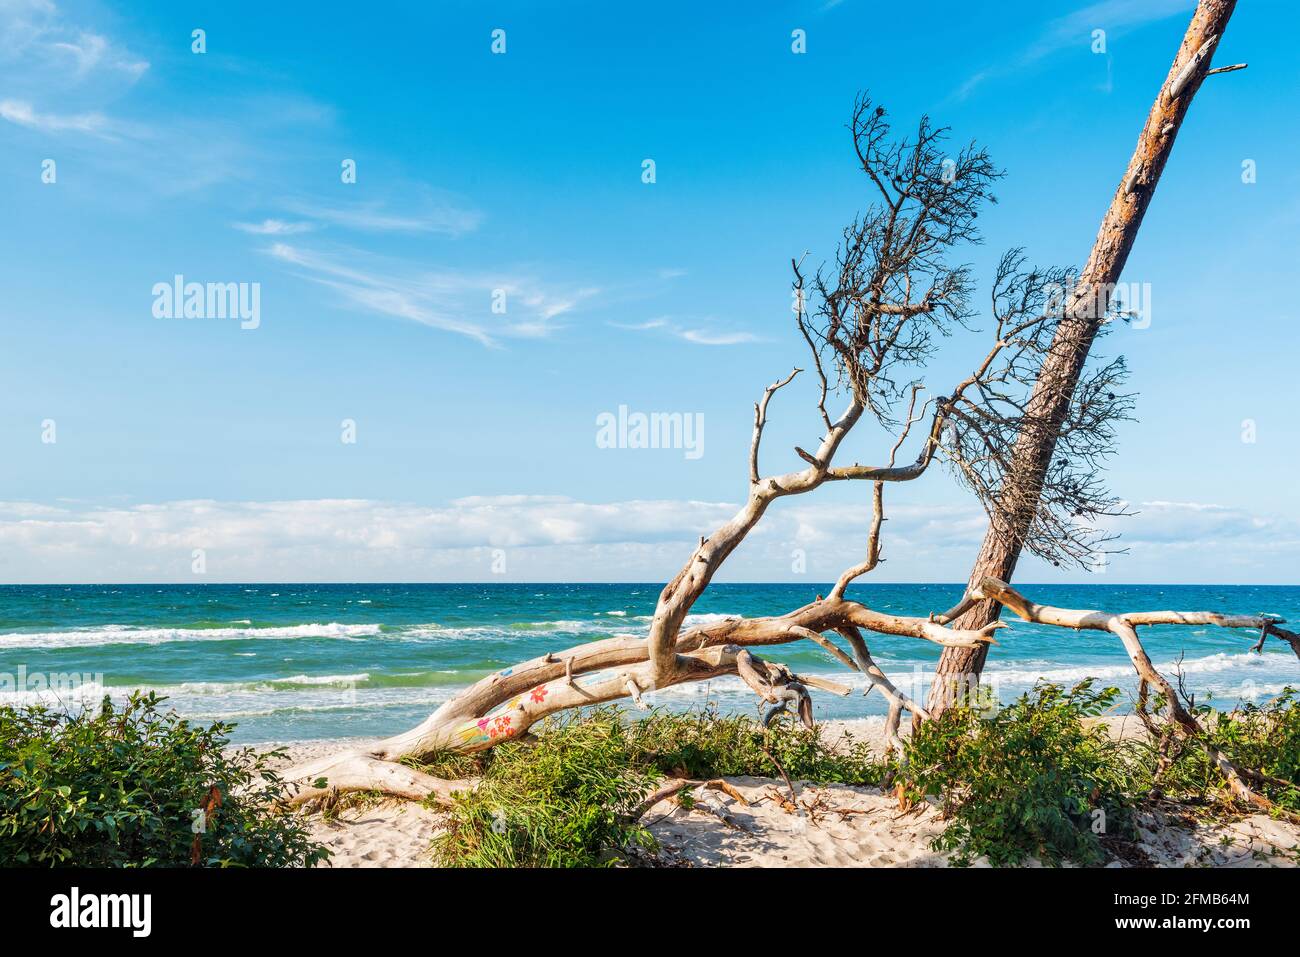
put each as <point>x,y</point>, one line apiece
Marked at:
<point>561,800</point>
<point>564,799</point>
<point>1025,780</point>
<point>705,744</point>
<point>113,788</point>
<point>1263,738</point>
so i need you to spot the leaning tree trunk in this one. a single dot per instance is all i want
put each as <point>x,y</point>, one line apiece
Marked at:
<point>959,668</point>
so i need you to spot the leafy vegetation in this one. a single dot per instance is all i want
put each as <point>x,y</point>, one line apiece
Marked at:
<point>565,799</point>
<point>120,788</point>
<point>1262,738</point>
<point>1026,780</point>
<point>1036,778</point>
<point>705,744</point>
<point>560,801</point>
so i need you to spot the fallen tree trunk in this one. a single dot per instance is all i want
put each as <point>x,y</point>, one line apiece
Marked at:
<point>505,705</point>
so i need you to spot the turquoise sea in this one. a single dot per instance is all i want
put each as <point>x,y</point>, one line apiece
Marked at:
<point>291,662</point>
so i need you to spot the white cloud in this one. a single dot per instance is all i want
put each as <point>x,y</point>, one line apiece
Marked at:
<point>1116,17</point>
<point>274,227</point>
<point>314,539</point>
<point>696,334</point>
<point>90,51</point>
<point>34,36</point>
<point>46,60</point>
<point>706,337</point>
<point>459,302</point>
<point>1204,526</point>
<point>22,114</point>
<point>428,212</point>
<point>556,538</point>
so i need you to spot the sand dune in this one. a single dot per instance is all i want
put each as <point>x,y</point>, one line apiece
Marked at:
<point>823,826</point>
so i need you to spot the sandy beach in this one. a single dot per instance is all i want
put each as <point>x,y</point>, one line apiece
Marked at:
<point>816,826</point>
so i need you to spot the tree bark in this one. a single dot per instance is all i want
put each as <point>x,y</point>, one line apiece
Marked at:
<point>959,668</point>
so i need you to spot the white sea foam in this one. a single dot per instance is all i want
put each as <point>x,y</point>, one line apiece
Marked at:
<point>234,700</point>
<point>1216,664</point>
<point>265,684</point>
<point>77,696</point>
<point>130,635</point>
<point>695,621</point>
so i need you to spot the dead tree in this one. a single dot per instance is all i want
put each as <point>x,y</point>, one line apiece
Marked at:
<point>1042,496</point>
<point>871,320</point>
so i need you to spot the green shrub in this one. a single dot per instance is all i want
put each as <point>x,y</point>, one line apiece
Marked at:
<point>705,744</point>
<point>1025,780</point>
<point>1263,738</point>
<point>113,788</point>
<point>564,798</point>
<point>561,800</point>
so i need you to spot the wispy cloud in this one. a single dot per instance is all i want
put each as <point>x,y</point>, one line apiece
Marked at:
<point>274,227</point>
<point>700,335</point>
<point>1202,525</point>
<point>23,114</point>
<point>57,75</point>
<point>426,213</point>
<point>1116,17</point>
<point>485,307</point>
<point>333,539</point>
<point>90,51</point>
<point>35,36</point>
<point>551,535</point>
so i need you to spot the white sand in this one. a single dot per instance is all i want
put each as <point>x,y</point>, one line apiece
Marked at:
<point>825,826</point>
<point>384,834</point>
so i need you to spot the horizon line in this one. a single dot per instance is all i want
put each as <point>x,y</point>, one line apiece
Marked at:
<point>810,583</point>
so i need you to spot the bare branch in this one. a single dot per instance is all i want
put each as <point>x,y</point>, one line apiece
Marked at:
<point>760,420</point>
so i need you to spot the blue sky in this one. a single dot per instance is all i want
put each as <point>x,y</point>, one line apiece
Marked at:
<point>522,172</point>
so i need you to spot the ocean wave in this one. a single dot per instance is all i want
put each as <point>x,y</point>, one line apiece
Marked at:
<point>691,621</point>
<point>226,701</point>
<point>1215,664</point>
<point>513,632</point>
<point>134,635</point>
<point>74,697</point>
<point>563,624</point>
<point>268,684</point>
<point>361,681</point>
<point>696,621</point>
<point>238,705</point>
